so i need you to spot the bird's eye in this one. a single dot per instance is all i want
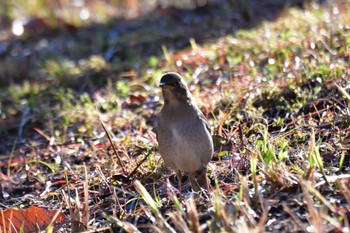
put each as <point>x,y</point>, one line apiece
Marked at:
<point>176,84</point>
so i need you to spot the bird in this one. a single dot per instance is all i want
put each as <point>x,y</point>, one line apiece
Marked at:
<point>184,137</point>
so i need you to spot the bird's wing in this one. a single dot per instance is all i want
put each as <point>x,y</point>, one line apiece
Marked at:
<point>157,129</point>
<point>202,117</point>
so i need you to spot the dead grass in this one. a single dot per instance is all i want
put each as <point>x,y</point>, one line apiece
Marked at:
<point>276,97</point>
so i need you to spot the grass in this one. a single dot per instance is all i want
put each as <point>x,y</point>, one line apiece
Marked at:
<point>276,97</point>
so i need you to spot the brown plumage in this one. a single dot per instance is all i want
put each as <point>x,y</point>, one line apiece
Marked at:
<point>184,138</point>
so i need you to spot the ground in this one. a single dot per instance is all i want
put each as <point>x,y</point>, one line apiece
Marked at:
<point>79,103</point>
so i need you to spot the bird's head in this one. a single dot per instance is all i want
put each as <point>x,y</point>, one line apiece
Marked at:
<point>174,88</point>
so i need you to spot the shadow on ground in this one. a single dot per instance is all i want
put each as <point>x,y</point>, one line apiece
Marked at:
<point>130,41</point>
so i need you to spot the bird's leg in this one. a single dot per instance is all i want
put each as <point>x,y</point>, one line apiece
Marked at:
<point>179,179</point>
<point>199,180</point>
<point>193,181</point>
<point>203,179</point>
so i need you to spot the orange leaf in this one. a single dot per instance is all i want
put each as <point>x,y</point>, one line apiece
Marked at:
<point>137,98</point>
<point>32,219</point>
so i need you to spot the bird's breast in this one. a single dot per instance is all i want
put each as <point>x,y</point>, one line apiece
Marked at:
<point>192,146</point>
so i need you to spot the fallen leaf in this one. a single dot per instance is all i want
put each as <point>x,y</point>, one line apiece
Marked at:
<point>137,98</point>
<point>31,219</point>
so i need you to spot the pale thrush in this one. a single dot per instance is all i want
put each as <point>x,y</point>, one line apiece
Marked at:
<point>184,138</point>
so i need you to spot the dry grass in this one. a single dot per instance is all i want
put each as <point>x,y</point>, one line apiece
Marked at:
<point>276,97</point>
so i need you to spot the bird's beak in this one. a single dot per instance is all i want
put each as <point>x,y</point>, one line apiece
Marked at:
<point>164,85</point>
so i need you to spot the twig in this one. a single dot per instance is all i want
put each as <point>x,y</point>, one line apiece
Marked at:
<point>115,151</point>
<point>138,165</point>
<point>294,217</point>
<point>241,136</point>
<point>24,120</point>
<point>224,118</point>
